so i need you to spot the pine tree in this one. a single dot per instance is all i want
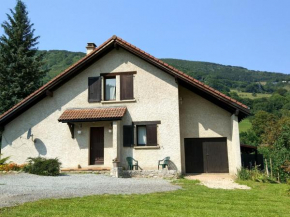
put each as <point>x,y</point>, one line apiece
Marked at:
<point>20,66</point>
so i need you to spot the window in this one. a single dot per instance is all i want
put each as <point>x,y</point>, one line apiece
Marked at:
<point>110,88</point>
<point>94,94</point>
<point>126,82</point>
<point>106,82</point>
<point>141,136</point>
<point>147,135</point>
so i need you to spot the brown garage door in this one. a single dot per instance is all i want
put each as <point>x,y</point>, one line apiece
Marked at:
<point>206,155</point>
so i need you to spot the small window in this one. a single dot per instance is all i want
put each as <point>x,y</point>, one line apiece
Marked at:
<point>110,88</point>
<point>147,135</point>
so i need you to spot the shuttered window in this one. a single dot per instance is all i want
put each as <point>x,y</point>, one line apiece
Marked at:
<point>128,135</point>
<point>126,86</point>
<point>147,135</point>
<point>94,89</point>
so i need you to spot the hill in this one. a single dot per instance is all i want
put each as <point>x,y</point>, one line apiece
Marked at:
<point>221,77</point>
<point>57,61</point>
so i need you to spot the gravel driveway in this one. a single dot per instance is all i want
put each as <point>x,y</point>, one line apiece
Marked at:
<point>20,188</point>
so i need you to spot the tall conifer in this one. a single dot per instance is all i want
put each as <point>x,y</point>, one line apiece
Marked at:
<point>20,67</point>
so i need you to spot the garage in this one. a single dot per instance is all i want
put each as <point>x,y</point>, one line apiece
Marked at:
<point>206,155</point>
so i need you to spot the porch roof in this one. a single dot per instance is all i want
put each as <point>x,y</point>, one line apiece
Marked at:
<point>92,114</point>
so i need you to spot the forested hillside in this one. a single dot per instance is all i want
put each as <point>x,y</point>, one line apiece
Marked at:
<point>57,61</point>
<point>221,77</point>
<point>225,78</point>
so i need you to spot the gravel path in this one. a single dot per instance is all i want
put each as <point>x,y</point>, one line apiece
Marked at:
<point>20,188</point>
<point>218,181</point>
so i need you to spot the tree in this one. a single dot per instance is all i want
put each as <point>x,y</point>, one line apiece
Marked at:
<point>277,138</point>
<point>261,122</point>
<point>20,66</point>
<point>249,138</point>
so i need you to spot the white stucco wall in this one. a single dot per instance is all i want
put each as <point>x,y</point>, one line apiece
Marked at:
<point>156,95</point>
<point>199,118</point>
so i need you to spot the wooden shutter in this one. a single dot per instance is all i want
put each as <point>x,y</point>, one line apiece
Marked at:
<point>151,134</point>
<point>128,135</point>
<point>95,89</point>
<point>126,87</point>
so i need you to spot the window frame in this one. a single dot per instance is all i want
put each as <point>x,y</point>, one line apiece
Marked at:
<point>105,79</point>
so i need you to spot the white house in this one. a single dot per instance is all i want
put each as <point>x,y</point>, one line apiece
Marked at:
<point>119,101</point>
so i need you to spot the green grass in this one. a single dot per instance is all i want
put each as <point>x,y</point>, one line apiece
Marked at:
<point>192,200</point>
<point>250,95</point>
<point>245,125</point>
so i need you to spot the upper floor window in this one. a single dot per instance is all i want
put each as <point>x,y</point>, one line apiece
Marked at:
<point>110,88</point>
<point>107,89</point>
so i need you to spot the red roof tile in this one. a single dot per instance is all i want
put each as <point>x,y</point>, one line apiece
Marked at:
<point>92,114</point>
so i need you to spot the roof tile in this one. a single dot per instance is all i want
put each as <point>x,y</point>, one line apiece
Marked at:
<point>92,114</point>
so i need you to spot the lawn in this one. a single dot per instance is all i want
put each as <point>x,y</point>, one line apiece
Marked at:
<point>244,125</point>
<point>250,95</point>
<point>192,200</point>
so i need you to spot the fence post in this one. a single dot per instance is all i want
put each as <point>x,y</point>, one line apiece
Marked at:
<point>267,171</point>
<point>271,167</point>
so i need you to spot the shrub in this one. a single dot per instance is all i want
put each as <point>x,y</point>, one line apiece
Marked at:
<point>43,166</point>
<point>244,174</point>
<point>3,160</point>
<point>11,167</point>
<point>255,175</point>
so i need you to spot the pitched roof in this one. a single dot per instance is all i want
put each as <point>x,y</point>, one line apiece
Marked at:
<point>103,49</point>
<point>92,114</point>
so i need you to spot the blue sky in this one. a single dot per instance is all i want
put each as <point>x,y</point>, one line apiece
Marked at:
<point>251,33</point>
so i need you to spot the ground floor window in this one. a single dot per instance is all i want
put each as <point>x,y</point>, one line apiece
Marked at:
<point>147,135</point>
<point>141,135</point>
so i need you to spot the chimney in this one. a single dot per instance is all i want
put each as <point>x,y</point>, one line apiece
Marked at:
<point>90,47</point>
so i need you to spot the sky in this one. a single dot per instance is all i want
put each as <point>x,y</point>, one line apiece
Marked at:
<point>254,34</point>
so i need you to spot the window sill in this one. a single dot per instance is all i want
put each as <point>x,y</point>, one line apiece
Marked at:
<point>119,101</point>
<point>147,147</point>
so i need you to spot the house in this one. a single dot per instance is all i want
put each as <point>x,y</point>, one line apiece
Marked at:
<point>120,101</point>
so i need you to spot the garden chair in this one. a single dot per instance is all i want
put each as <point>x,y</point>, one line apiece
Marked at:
<point>163,162</point>
<point>132,163</point>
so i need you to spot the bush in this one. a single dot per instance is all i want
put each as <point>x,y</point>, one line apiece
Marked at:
<point>11,167</point>
<point>244,174</point>
<point>254,175</point>
<point>3,160</point>
<point>43,166</point>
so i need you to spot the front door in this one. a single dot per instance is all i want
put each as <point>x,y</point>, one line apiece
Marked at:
<point>97,146</point>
